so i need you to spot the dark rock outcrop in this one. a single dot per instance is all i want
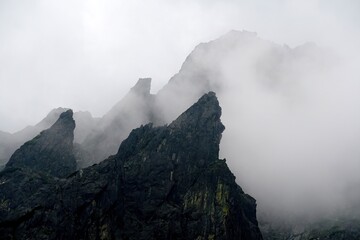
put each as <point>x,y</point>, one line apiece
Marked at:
<point>163,183</point>
<point>51,151</point>
<point>10,142</point>
<point>85,125</point>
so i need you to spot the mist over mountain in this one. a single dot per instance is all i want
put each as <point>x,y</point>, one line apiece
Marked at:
<point>292,117</point>
<point>282,107</point>
<point>132,111</point>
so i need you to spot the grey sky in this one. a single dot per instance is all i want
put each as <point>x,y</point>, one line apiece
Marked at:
<point>87,54</point>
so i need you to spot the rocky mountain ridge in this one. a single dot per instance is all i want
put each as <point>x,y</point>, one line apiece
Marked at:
<point>164,183</point>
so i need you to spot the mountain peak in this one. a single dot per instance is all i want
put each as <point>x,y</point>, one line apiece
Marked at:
<point>202,121</point>
<point>67,114</point>
<point>173,172</point>
<point>142,86</point>
<point>51,151</point>
<point>198,115</point>
<point>51,117</point>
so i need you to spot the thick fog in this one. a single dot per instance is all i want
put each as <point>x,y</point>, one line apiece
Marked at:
<point>292,118</point>
<point>293,134</point>
<point>292,121</point>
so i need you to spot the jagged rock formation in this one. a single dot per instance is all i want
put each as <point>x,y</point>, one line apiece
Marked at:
<point>164,183</point>
<point>51,151</point>
<point>85,125</point>
<point>10,142</point>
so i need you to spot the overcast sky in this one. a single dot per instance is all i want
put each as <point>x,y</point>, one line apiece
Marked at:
<point>87,54</point>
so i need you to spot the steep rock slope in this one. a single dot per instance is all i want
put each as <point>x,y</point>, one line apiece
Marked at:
<point>164,183</point>
<point>51,151</point>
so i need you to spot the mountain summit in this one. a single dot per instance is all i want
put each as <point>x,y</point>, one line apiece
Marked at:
<point>51,151</point>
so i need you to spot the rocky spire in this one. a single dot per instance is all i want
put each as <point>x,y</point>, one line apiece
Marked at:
<point>51,151</point>
<point>202,121</point>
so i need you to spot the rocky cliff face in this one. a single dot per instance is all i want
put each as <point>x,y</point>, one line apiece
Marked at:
<point>51,151</point>
<point>163,183</point>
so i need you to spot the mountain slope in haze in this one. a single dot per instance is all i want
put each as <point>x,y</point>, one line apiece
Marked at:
<point>132,111</point>
<point>234,59</point>
<point>163,183</point>
<point>224,65</point>
<point>219,65</point>
<point>228,63</point>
